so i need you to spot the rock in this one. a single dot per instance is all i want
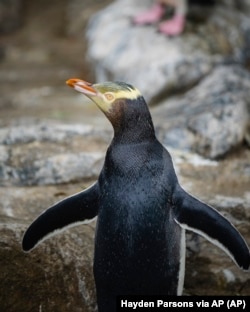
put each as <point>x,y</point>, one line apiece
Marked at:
<point>145,58</point>
<point>57,276</point>
<point>37,155</point>
<point>212,118</point>
<point>10,17</point>
<point>62,169</point>
<point>42,132</point>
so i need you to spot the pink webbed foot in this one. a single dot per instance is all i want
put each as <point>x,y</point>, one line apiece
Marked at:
<point>151,16</point>
<point>173,27</point>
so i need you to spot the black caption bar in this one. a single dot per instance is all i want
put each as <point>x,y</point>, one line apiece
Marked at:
<point>162,303</point>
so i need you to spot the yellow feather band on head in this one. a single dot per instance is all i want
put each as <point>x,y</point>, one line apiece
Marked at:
<point>120,89</point>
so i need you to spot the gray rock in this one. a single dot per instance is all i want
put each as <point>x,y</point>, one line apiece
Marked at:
<point>39,154</point>
<point>212,118</point>
<point>63,168</point>
<point>42,132</point>
<point>158,65</point>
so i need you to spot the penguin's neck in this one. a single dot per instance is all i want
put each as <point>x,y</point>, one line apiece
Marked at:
<point>134,124</point>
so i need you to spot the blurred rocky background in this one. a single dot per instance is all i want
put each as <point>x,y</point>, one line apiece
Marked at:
<point>53,140</point>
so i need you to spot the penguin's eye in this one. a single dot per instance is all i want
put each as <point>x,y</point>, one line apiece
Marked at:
<point>109,96</point>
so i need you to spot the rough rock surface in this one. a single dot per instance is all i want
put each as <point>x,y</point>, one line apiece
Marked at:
<point>44,160</point>
<point>213,117</point>
<point>55,277</point>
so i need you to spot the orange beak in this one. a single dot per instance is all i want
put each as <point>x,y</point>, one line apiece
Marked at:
<point>82,86</point>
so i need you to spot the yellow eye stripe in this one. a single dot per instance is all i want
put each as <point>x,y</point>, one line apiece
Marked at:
<point>119,90</point>
<point>131,95</point>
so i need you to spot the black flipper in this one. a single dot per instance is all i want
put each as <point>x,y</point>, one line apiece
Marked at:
<point>194,215</point>
<point>79,208</point>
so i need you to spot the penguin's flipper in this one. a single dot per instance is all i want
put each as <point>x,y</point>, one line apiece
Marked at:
<point>79,208</point>
<point>194,215</point>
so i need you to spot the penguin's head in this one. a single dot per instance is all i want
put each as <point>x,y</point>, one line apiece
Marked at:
<point>107,95</point>
<point>122,103</point>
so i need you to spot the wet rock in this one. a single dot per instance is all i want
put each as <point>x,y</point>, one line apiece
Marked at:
<point>10,17</point>
<point>145,58</point>
<point>212,118</point>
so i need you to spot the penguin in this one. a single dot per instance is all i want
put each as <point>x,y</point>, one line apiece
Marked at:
<point>143,212</point>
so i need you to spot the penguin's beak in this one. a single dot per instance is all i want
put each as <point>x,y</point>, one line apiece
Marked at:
<point>82,86</point>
